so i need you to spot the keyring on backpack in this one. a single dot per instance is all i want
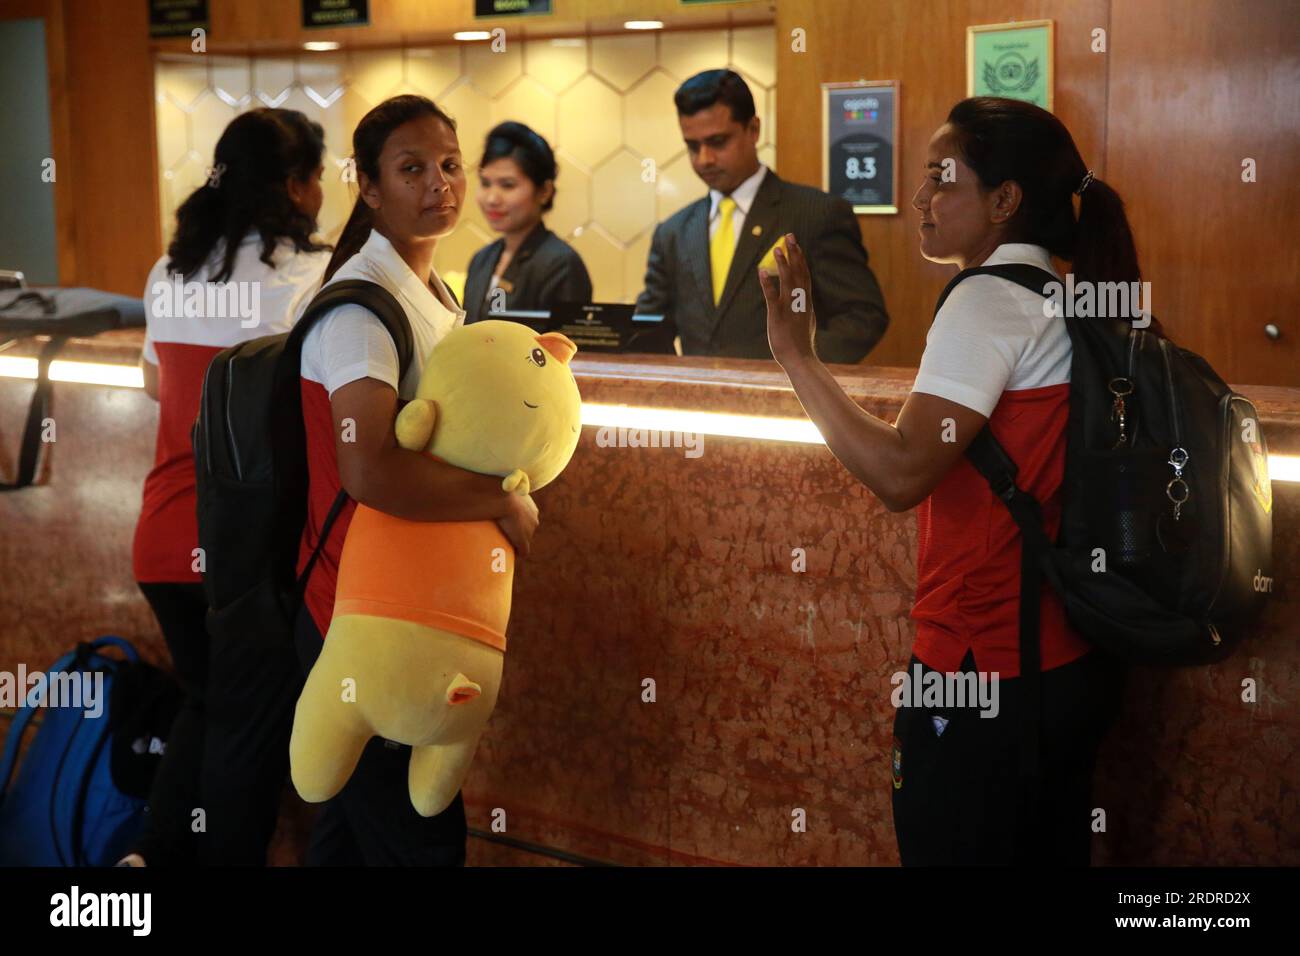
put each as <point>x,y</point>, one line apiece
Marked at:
<point>1118,409</point>
<point>1178,461</point>
<point>1178,501</point>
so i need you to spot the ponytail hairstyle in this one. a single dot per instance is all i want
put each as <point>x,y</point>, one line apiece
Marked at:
<point>368,141</point>
<point>511,140</point>
<point>1004,139</point>
<point>257,152</point>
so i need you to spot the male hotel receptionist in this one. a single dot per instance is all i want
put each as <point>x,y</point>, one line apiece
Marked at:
<point>702,269</point>
<point>529,267</point>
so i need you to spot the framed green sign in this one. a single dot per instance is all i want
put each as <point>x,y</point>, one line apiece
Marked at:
<point>1014,60</point>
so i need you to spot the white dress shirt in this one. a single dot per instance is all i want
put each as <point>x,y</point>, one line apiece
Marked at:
<point>744,196</point>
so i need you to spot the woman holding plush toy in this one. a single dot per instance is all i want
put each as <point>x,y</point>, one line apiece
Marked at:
<point>411,180</point>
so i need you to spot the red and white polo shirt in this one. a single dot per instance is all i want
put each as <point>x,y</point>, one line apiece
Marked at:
<point>992,349</point>
<point>188,321</point>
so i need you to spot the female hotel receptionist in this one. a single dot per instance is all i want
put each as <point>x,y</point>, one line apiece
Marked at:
<point>529,267</point>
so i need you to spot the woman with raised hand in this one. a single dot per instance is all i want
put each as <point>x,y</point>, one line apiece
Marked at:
<point>1004,184</point>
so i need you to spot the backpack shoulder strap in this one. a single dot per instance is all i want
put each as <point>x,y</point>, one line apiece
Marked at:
<point>84,785</point>
<point>13,743</point>
<point>1021,273</point>
<point>372,297</point>
<point>991,460</point>
<point>384,306</point>
<point>121,643</point>
<point>985,452</point>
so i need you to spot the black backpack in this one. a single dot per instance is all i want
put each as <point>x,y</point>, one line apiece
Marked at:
<point>1144,414</point>
<point>1140,584</point>
<point>250,457</point>
<point>1173,590</point>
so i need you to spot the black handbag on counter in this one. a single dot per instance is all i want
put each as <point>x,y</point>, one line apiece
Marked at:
<point>60,314</point>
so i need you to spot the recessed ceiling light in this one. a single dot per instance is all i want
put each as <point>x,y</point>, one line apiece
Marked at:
<point>320,46</point>
<point>471,35</point>
<point>643,25</point>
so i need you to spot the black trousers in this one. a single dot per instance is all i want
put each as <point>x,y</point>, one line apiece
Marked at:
<point>372,822</point>
<point>217,794</point>
<point>167,837</point>
<point>958,796</point>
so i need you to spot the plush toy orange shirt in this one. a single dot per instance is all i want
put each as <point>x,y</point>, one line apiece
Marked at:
<point>461,584</point>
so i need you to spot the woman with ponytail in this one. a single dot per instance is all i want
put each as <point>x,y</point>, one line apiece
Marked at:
<point>1004,184</point>
<point>411,181</point>
<point>241,264</point>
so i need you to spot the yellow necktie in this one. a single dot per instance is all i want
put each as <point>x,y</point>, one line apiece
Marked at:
<point>722,246</point>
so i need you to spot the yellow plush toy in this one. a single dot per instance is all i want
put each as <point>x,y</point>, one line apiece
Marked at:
<point>416,645</point>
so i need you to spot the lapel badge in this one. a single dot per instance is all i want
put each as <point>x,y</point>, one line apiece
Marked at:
<point>757,230</point>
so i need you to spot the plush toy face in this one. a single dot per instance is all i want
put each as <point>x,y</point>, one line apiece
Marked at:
<point>505,400</point>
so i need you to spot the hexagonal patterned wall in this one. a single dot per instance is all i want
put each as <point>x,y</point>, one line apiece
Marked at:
<point>603,205</point>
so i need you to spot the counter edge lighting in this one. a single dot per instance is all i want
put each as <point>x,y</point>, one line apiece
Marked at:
<point>632,418</point>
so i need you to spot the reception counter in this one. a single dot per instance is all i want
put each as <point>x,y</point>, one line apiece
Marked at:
<point>703,638</point>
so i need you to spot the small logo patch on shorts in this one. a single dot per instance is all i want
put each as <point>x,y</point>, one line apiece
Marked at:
<point>898,764</point>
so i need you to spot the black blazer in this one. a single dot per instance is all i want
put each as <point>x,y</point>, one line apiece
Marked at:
<point>678,284</point>
<point>544,271</point>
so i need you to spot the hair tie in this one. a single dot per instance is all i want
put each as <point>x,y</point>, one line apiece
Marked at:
<point>214,175</point>
<point>1087,178</point>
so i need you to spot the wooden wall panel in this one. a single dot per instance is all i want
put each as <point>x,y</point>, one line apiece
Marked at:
<point>113,149</point>
<point>1196,86</point>
<point>242,25</point>
<point>1187,89</point>
<point>923,46</point>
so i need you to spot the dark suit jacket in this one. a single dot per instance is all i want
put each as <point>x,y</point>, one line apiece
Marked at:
<point>678,284</point>
<point>545,271</point>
